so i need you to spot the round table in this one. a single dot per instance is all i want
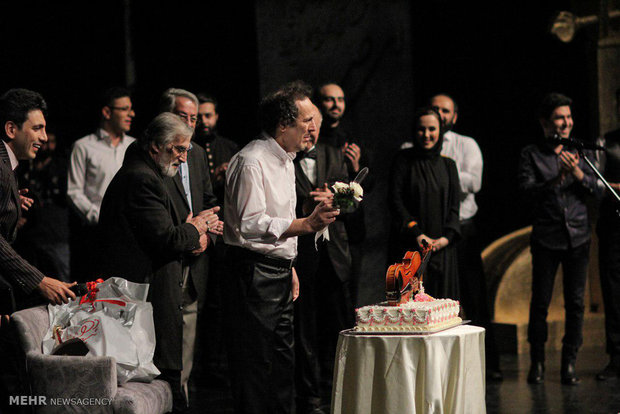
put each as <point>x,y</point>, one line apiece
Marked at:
<point>442,372</point>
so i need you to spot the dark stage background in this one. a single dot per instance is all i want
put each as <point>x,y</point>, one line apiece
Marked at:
<point>496,59</point>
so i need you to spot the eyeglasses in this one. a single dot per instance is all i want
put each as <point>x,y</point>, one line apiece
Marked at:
<point>187,118</point>
<point>180,149</point>
<point>122,108</point>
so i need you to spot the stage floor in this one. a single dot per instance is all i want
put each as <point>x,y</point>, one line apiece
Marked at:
<point>513,395</point>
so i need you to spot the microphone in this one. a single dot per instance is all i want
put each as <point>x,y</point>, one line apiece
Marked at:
<point>575,143</point>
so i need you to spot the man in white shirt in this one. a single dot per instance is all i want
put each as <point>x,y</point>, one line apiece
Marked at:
<point>94,161</point>
<point>465,152</point>
<point>261,229</point>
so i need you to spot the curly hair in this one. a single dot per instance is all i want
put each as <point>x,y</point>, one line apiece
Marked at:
<point>279,108</point>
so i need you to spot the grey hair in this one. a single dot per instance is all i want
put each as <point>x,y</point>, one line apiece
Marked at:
<point>167,101</point>
<point>163,129</point>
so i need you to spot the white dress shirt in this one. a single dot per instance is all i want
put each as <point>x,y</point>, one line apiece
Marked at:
<point>12,156</point>
<point>94,162</point>
<point>260,199</point>
<point>468,158</point>
<point>466,153</point>
<point>308,166</point>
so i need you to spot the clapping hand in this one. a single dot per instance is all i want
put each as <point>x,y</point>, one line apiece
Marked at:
<point>206,221</point>
<point>322,194</point>
<point>353,153</point>
<point>204,242</point>
<point>214,224</point>
<point>569,164</point>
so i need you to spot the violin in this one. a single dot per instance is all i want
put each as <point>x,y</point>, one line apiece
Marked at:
<point>403,279</point>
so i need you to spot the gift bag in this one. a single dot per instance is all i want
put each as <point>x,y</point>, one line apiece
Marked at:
<point>112,319</point>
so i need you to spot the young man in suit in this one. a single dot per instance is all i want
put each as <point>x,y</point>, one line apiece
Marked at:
<point>22,116</point>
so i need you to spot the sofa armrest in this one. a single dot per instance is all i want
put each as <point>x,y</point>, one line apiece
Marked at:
<point>56,376</point>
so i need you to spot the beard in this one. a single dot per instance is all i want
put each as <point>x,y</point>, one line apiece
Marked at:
<point>333,117</point>
<point>167,167</point>
<point>169,170</point>
<point>204,133</point>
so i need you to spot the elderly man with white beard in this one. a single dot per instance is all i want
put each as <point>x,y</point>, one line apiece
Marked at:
<point>145,239</point>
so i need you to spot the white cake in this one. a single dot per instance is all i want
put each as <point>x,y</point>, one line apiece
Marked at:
<point>413,316</point>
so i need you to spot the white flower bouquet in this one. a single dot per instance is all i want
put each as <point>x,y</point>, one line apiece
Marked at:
<point>347,197</point>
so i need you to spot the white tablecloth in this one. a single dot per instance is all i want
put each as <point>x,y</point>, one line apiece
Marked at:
<point>384,374</point>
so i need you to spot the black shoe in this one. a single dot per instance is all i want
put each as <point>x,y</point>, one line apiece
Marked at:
<point>537,373</point>
<point>568,373</point>
<point>611,371</point>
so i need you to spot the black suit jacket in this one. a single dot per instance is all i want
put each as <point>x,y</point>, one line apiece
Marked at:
<point>145,239</point>
<point>330,167</point>
<point>202,198</point>
<point>220,150</point>
<point>20,278</point>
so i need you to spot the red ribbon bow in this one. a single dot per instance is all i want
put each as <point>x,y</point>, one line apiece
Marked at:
<point>91,296</point>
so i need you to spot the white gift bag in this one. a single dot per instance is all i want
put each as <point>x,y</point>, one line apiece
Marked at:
<point>113,319</point>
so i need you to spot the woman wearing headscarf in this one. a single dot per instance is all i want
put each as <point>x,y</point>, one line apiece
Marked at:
<point>424,200</point>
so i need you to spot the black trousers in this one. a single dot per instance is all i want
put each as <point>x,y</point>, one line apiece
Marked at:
<point>259,328</point>
<point>473,288</point>
<point>609,266</point>
<point>545,264</point>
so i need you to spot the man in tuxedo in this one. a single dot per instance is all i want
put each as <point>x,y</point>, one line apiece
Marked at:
<point>190,190</point>
<point>323,275</point>
<point>331,101</point>
<point>22,116</point>
<point>147,238</point>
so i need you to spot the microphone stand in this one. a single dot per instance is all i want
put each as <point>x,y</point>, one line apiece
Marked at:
<point>580,149</point>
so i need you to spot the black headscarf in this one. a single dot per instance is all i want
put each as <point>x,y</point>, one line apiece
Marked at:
<point>418,150</point>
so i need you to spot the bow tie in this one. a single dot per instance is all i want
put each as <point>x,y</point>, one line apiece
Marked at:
<point>310,154</point>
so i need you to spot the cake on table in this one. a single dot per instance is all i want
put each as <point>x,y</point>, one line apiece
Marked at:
<point>408,308</point>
